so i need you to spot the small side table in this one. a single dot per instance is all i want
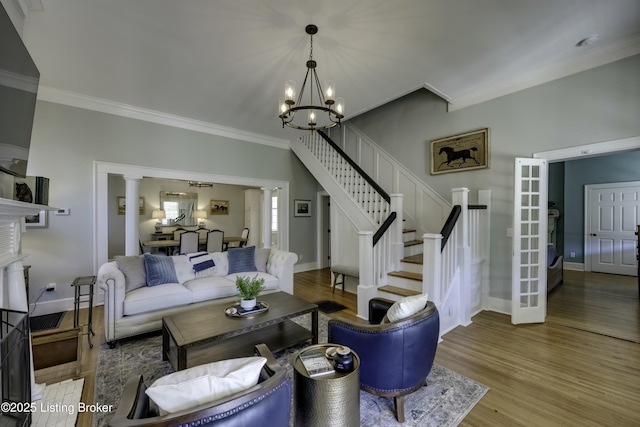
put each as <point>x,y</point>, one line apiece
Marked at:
<point>80,297</point>
<point>326,400</point>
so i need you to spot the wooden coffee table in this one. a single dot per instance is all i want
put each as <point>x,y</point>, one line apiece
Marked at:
<point>207,334</point>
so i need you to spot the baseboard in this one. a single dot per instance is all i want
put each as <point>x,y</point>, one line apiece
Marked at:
<point>63,304</point>
<point>298,268</point>
<point>574,266</point>
<point>499,305</point>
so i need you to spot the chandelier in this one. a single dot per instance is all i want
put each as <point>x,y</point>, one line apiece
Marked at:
<point>325,102</point>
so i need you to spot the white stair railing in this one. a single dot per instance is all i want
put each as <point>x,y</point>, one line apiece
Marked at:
<point>360,190</point>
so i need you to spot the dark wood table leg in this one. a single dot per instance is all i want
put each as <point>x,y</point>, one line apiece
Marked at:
<point>165,342</point>
<point>314,326</point>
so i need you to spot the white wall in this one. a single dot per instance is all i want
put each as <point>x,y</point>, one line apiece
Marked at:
<point>598,105</point>
<point>65,143</point>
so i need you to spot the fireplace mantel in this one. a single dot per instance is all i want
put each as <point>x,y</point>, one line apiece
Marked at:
<point>13,294</point>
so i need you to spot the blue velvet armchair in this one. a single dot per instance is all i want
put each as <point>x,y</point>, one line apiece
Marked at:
<point>270,400</point>
<point>395,358</point>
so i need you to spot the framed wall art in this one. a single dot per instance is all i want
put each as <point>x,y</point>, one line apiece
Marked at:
<point>302,208</point>
<point>122,205</point>
<point>38,220</point>
<point>463,152</point>
<point>219,207</point>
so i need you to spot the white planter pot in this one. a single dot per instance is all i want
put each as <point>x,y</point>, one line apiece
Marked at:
<point>247,303</point>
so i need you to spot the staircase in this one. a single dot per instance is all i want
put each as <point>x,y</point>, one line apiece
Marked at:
<point>396,260</point>
<point>407,280</point>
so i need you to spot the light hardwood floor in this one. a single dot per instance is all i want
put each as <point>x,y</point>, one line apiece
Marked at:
<point>580,368</point>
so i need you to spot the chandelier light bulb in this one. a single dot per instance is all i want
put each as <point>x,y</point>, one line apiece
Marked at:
<point>282,108</point>
<point>330,92</point>
<point>340,107</point>
<point>290,91</point>
<point>312,118</point>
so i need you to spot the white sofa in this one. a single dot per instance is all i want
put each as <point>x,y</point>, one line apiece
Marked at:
<point>129,312</point>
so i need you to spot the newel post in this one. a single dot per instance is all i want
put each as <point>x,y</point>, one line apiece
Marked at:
<point>432,267</point>
<point>460,196</point>
<point>367,286</point>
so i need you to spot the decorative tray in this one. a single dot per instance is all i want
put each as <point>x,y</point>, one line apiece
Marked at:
<point>234,310</point>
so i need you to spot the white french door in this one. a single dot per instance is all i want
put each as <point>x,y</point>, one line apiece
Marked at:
<point>529,274</point>
<point>613,213</point>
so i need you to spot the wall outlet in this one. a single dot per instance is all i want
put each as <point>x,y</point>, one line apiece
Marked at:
<point>300,256</point>
<point>572,255</point>
<point>51,287</point>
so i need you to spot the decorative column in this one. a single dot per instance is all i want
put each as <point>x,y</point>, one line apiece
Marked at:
<point>132,215</point>
<point>266,217</point>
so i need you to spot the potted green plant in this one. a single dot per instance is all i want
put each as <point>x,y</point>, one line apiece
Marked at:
<point>248,290</point>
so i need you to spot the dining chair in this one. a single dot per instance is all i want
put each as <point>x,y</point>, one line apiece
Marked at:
<point>202,238</point>
<point>215,239</point>
<point>244,235</point>
<point>177,233</point>
<point>188,242</point>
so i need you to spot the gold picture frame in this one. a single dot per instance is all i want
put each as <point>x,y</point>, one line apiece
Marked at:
<point>462,152</point>
<point>219,207</point>
<point>121,204</point>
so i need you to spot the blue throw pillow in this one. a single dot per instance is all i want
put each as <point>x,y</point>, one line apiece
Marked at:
<point>242,259</point>
<point>159,269</point>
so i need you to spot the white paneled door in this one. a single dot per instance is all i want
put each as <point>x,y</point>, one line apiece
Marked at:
<point>529,274</point>
<point>613,213</point>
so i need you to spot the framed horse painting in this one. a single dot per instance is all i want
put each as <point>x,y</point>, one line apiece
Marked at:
<point>463,152</point>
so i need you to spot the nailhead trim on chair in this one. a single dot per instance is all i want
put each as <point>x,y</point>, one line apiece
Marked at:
<point>233,411</point>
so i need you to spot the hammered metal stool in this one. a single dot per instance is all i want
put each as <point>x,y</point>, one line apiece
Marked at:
<point>327,400</point>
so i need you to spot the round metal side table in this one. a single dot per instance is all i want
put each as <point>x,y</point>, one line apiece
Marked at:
<point>327,400</point>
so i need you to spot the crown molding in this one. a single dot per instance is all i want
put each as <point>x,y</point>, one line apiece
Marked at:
<point>73,99</point>
<point>600,55</point>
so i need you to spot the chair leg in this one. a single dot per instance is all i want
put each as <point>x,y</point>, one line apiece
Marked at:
<point>399,404</point>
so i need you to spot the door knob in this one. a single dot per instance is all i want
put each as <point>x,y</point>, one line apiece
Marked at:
<point>593,234</point>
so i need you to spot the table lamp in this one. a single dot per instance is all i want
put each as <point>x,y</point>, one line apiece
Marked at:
<point>158,214</point>
<point>200,215</point>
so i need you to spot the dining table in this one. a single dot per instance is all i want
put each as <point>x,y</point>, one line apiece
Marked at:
<point>157,244</point>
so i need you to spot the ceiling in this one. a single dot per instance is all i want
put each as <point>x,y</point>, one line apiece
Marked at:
<point>222,64</point>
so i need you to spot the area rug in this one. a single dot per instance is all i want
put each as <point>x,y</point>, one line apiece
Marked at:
<point>445,402</point>
<point>46,321</point>
<point>327,306</point>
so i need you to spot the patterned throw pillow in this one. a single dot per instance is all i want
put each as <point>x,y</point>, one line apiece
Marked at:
<point>160,270</point>
<point>242,259</point>
<point>203,264</point>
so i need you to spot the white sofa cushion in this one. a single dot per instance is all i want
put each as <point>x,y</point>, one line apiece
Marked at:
<point>184,268</point>
<point>270,282</point>
<point>153,298</point>
<point>205,383</point>
<point>222,263</point>
<point>209,288</point>
<point>262,257</point>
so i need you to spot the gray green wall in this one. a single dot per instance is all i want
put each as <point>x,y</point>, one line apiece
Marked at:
<point>620,167</point>
<point>67,140</point>
<point>602,104</point>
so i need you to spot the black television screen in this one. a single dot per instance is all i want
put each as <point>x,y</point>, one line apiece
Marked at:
<point>19,80</point>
